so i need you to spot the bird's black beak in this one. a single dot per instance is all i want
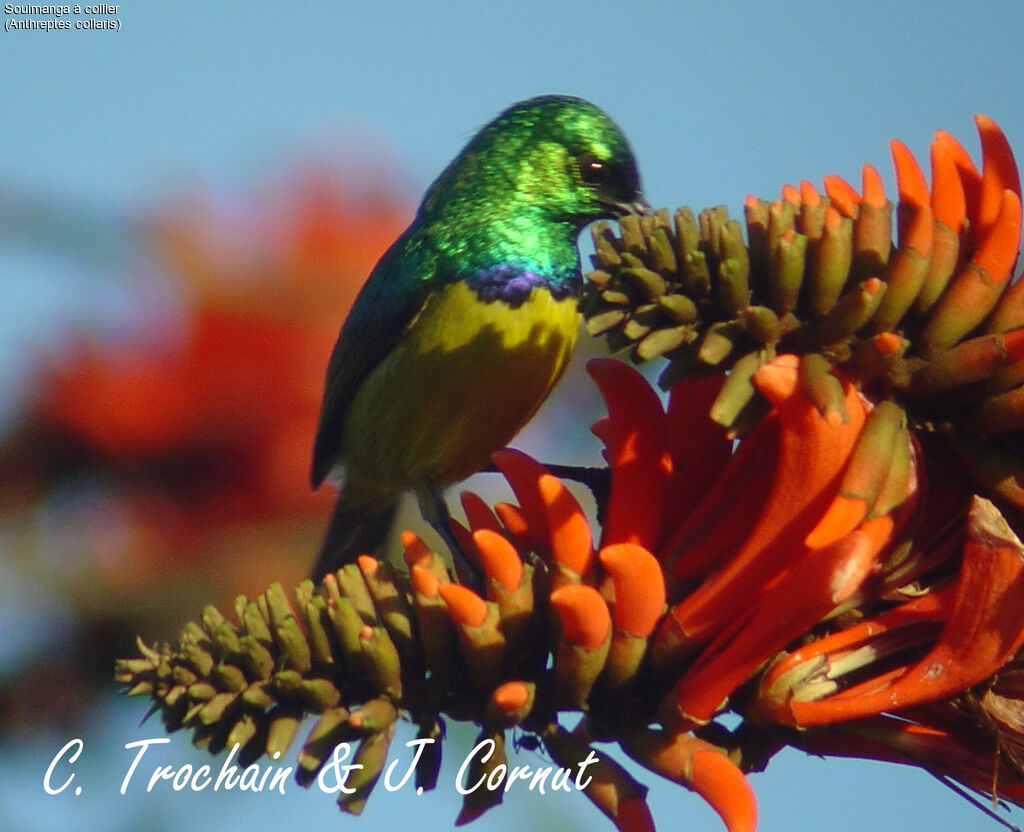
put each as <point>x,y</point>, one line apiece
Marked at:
<point>637,206</point>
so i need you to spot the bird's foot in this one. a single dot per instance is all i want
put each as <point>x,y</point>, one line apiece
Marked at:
<point>435,511</point>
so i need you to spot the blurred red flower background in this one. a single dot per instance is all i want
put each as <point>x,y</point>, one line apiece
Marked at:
<point>145,469</point>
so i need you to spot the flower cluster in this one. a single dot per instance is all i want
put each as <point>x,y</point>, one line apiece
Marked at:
<point>820,275</point>
<point>199,420</point>
<point>810,535</point>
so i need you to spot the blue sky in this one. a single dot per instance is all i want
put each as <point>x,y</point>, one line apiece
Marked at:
<point>719,99</point>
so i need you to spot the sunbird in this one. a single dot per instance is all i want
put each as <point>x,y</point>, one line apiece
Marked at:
<point>469,318</point>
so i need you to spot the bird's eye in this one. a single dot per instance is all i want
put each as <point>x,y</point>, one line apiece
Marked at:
<point>592,170</point>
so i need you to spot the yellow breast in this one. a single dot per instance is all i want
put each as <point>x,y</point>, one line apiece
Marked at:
<point>463,380</point>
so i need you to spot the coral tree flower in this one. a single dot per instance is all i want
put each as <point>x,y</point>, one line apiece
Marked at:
<point>827,525</point>
<point>815,534</point>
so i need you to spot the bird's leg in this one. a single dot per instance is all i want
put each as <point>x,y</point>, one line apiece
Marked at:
<point>435,511</point>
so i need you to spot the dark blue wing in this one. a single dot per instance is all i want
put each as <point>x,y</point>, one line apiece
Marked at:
<point>390,299</point>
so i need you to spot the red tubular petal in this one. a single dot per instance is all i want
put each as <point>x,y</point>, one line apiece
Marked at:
<point>833,219</point>
<point>986,626</point>
<point>514,521</point>
<point>465,606</point>
<point>424,581</point>
<point>553,514</point>
<point>920,231</point>
<point>813,452</point>
<point>639,587</point>
<point>998,174</point>
<point>698,765</point>
<point>601,429</point>
<point>1014,342</point>
<point>873,285</point>
<point>933,607</point>
<point>637,452</point>
<point>907,269</point>
<point>634,815</point>
<point>1008,315</point>
<point>583,613</point>
<point>719,524</point>
<point>999,247</point>
<point>866,474</point>
<point>699,446</point>
<point>812,212</point>
<point>841,517</point>
<point>795,603</point>
<point>912,188</point>
<point>726,789</point>
<point>948,201</point>
<point>809,195</point>
<point>415,550</point>
<point>842,195</point>
<point>970,179</point>
<point>874,190</point>
<point>973,294</point>
<point>983,631</point>
<point>478,514</point>
<point>500,559</point>
<point>910,182</point>
<point>791,195</point>
<point>523,474</point>
<point>569,532</point>
<point>887,343</point>
<point>511,696</point>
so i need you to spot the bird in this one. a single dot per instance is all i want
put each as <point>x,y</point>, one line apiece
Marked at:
<point>468,320</point>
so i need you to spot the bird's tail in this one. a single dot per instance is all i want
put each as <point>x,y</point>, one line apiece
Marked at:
<point>351,534</point>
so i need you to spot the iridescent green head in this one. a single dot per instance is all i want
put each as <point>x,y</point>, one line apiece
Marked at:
<point>554,158</point>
